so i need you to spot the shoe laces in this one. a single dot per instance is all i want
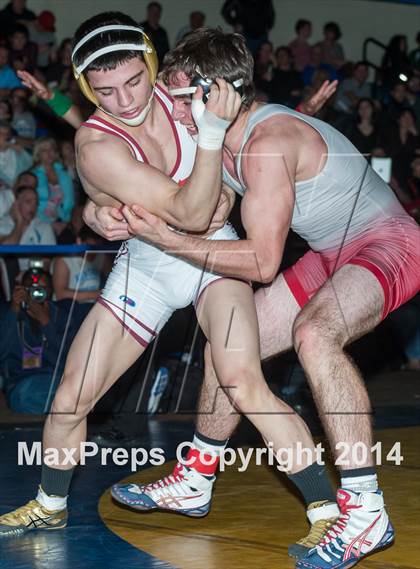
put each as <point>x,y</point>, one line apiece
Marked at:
<point>340,525</point>
<point>317,532</point>
<point>20,515</point>
<point>174,479</point>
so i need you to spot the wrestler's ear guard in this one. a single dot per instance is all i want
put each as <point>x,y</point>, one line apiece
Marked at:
<point>205,83</point>
<point>145,45</point>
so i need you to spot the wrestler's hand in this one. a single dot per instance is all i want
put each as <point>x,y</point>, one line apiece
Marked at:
<point>106,221</point>
<point>146,225</point>
<point>318,100</point>
<point>37,87</point>
<point>214,118</point>
<point>223,209</point>
<point>224,101</point>
<point>39,312</point>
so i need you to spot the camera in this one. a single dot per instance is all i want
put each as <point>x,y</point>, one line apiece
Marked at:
<point>35,280</point>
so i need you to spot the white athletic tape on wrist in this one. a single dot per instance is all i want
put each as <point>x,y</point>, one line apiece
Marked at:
<point>211,128</point>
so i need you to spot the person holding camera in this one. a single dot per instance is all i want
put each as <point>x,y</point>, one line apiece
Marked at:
<point>34,342</point>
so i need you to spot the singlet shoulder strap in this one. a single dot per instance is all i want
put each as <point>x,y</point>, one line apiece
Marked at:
<point>261,114</point>
<point>98,123</point>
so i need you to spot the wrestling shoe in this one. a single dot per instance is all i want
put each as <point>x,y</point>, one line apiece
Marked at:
<point>321,515</point>
<point>31,516</point>
<point>362,528</point>
<point>184,491</point>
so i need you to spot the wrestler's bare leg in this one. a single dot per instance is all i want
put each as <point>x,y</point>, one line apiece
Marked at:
<point>228,317</point>
<point>348,306</point>
<point>353,301</point>
<point>276,310</point>
<point>100,353</point>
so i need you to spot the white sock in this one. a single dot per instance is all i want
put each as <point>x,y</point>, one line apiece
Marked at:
<point>51,503</point>
<point>359,484</point>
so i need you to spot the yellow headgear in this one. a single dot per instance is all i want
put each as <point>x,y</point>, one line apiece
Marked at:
<point>145,45</point>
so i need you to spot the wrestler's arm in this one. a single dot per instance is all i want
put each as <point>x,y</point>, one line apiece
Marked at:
<point>266,215</point>
<point>109,166</point>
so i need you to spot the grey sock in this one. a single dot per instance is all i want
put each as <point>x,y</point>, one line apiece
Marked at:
<point>56,482</point>
<point>313,483</point>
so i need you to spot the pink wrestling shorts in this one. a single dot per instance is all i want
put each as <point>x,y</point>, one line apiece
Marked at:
<point>390,250</point>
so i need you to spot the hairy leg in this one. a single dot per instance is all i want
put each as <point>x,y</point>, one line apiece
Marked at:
<point>228,317</point>
<point>348,306</point>
<point>101,352</point>
<point>276,312</point>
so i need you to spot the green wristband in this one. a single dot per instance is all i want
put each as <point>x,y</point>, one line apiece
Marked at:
<point>59,103</point>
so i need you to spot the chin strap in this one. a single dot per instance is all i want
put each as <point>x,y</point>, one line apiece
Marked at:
<point>139,119</point>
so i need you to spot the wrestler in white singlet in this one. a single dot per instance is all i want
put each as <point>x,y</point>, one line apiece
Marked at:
<point>147,285</point>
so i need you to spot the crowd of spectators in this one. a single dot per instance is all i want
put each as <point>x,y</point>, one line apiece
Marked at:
<point>377,108</point>
<point>41,199</point>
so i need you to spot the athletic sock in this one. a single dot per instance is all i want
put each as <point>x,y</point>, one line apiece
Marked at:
<point>313,483</point>
<point>204,455</point>
<point>55,484</point>
<point>360,479</point>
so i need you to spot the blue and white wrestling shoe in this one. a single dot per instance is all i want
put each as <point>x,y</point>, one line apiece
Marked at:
<point>362,528</point>
<point>184,491</point>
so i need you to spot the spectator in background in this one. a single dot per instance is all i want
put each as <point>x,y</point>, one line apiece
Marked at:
<point>68,156</point>
<point>70,233</point>
<point>414,56</point>
<point>286,84</point>
<point>13,159</point>
<point>35,343</point>
<point>8,77</point>
<point>317,64</point>
<point>397,103</point>
<point>154,30</point>
<point>413,95</point>
<point>351,90</point>
<point>364,132</point>
<point>263,67</point>
<point>5,110</point>
<point>402,144</point>
<point>253,18</point>
<point>395,61</point>
<point>197,20</point>
<point>332,52</point>
<point>26,178</point>
<point>23,121</point>
<point>77,276</point>
<point>59,74</point>
<point>300,48</point>
<point>7,194</point>
<point>14,13</point>
<point>42,32</point>
<point>22,226</point>
<point>55,187</point>
<point>23,53</point>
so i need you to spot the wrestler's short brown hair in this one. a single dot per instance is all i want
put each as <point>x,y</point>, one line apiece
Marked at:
<point>216,54</point>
